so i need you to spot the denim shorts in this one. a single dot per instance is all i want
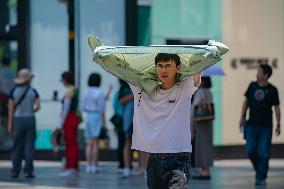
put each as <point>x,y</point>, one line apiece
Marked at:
<point>93,125</point>
<point>171,171</point>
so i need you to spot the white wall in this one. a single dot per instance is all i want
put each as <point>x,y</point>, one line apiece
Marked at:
<point>49,58</point>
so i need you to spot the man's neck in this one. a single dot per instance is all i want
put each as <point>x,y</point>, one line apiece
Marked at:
<point>262,83</point>
<point>167,85</point>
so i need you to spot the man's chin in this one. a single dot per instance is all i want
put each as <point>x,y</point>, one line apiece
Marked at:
<point>163,80</point>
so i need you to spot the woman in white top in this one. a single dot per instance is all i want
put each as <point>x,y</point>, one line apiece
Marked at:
<point>93,103</point>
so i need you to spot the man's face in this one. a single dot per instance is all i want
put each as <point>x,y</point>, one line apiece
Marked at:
<point>167,71</point>
<point>260,76</point>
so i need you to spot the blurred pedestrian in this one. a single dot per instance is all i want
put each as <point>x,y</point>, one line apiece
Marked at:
<point>117,121</point>
<point>203,131</point>
<point>23,103</point>
<point>260,97</point>
<point>93,103</point>
<point>69,123</point>
<point>7,76</point>
<point>126,98</point>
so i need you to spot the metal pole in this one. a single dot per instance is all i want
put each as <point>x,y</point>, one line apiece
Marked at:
<point>77,44</point>
<point>131,27</point>
<point>71,22</point>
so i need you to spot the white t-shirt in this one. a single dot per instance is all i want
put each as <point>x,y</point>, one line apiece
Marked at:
<point>161,122</point>
<point>93,100</point>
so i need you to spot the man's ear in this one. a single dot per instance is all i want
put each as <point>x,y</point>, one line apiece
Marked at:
<point>178,68</point>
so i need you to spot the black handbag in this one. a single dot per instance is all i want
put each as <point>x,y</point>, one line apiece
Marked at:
<point>204,112</point>
<point>117,120</point>
<point>103,133</point>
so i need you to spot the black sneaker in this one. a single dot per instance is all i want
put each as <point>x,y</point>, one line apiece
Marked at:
<point>30,175</point>
<point>260,182</point>
<point>14,175</point>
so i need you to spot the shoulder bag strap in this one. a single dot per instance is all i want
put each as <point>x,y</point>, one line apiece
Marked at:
<point>22,97</point>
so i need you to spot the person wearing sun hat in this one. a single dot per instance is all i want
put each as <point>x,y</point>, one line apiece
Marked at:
<point>24,77</point>
<point>23,103</point>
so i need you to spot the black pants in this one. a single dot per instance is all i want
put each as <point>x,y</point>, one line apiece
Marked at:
<point>121,142</point>
<point>171,171</point>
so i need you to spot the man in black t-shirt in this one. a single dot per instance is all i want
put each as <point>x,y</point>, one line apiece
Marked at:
<point>260,97</point>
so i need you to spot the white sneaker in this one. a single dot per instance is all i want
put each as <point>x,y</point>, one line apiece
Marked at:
<point>68,173</point>
<point>96,169</point>
<point>89,169</point>
<point>126,173</point>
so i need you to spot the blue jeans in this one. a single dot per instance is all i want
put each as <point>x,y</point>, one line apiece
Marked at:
<point>168,172</point>
<point>258,147</point>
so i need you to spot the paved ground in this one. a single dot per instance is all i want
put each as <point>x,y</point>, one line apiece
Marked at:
<point>231,174</point>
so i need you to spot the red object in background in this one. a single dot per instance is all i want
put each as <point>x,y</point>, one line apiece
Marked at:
<point>70,129</point>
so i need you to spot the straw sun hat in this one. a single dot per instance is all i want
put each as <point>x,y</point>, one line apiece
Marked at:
<point>23,76</point>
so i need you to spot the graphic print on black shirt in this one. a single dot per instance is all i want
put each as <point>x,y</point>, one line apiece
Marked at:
<point>260,101</point>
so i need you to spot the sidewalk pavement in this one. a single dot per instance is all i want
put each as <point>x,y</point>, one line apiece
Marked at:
<point>231,174</point>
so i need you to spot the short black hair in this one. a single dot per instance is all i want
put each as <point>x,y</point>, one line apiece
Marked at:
<point>164,57</point>
<point>94,80</point>
<point>68,77</point>
<point>266,69</point>
<point>206,82</point>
